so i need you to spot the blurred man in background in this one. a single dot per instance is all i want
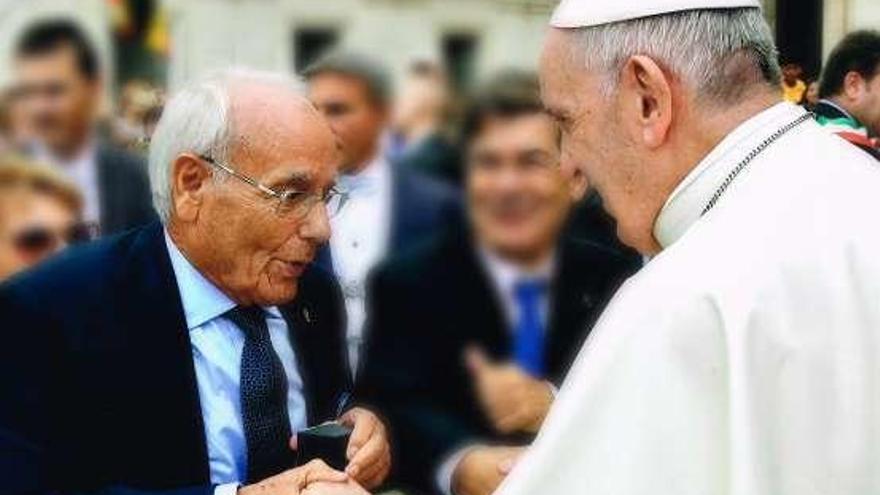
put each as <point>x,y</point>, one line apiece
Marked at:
<point>811,97</point>
<point>386,209</point>
<point>421,114</point>
<point>39,215</point>
<point>185,356</point>
<point>850,91</point>
<point>58,87</point>
<point>469,337</point>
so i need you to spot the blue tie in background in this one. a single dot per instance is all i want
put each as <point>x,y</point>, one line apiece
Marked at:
<point>528,344</point>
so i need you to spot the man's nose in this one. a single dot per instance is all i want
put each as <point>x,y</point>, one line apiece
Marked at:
<point>316,225</point>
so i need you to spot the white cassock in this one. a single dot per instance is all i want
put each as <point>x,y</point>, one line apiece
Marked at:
<point>745,358</point>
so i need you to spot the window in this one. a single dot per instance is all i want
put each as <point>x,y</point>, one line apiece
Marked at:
<point>459,55</point>
<point>311,43</point>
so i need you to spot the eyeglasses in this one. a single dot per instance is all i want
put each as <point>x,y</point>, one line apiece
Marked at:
<point>290,202</point>
<point>38,240</point>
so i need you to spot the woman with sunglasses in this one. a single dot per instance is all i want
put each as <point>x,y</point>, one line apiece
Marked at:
<point>39,215</point>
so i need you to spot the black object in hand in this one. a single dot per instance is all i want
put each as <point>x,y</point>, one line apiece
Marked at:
<point>327,442</point>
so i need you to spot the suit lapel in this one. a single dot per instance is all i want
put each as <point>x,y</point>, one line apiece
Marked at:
<point>300,319</point>
<point>573,300</point>
<point>106,191</point>
<point>317,334</point>
<point>478,299</point>
<point>159,327</point>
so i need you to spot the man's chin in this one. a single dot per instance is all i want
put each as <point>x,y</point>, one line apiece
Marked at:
<point>278,293</point>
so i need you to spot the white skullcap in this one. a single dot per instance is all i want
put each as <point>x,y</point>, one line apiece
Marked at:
<point>585,13</point>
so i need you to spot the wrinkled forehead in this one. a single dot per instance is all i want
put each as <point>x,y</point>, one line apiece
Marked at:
<point>276,131</point>
<point>560,69</point>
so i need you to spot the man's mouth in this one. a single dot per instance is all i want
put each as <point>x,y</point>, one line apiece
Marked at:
<point>291,269</point>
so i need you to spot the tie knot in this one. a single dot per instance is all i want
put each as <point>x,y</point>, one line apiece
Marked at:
<point>529,289</point>
<point>250,319</point>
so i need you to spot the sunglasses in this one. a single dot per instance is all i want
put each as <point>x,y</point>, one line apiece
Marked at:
<point>37,240</point>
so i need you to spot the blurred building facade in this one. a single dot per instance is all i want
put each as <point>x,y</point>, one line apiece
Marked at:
<point>474,37</point>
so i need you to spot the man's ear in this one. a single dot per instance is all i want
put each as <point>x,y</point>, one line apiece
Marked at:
<point>853,85</point>
<point>189,179</point>
<point>577,185</point>
<point>646,100</point>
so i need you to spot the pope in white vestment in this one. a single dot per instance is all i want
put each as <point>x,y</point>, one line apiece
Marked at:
<point>744,359</point>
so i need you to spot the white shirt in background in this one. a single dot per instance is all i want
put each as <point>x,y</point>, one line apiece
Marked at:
<point>361,234</point>
<point>82,170</point>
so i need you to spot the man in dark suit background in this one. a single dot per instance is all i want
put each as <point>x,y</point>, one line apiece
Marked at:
<point>468,339</point>
<point>422,110</point>
<point>174,358</point>
<point>386,209</point>
<point>58,87</point>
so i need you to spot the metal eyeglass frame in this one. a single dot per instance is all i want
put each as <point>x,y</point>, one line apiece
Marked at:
<point>283,198</point>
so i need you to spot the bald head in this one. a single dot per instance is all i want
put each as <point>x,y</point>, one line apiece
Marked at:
<point>276,126</point>
<point>240,164</point>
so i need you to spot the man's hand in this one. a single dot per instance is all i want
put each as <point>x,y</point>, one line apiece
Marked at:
<point>513,400</point>
<point>294,481</point>
<point>369,454</point>
<point>322,488</point>
<point>482,469</point>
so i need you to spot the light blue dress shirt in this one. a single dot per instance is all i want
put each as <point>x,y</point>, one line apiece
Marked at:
<point>216,349</point>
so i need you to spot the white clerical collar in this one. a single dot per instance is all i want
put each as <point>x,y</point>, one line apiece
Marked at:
<point>686,203</point>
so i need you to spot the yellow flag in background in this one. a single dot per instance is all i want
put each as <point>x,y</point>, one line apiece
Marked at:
<point>158,39</point>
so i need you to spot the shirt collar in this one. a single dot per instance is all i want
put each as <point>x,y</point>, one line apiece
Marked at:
<point>686,203</point>
<point>839,108</point>
<point>202,300</point>
<point>506,274</point>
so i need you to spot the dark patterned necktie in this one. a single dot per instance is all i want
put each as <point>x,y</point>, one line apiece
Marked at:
<point>263,398</point>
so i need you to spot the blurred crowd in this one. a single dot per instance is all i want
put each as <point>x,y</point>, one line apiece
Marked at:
<point>470,266</point>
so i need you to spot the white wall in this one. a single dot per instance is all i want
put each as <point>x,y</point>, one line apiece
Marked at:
<point>843,16</point>
<point>212,34</point>
<point>208,34</point>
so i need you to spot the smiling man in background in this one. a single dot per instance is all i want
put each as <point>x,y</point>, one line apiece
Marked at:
<point>469,337</point>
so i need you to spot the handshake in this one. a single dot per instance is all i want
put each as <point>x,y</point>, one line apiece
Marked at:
<point>313,478</point>
<point>369,461</point>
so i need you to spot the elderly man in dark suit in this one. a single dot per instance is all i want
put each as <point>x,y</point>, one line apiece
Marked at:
<point>184,356</point>
<point>58,86</point>
<point>467,339</point>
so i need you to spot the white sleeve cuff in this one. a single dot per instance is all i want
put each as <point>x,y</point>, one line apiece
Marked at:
<point>447,469</point>
<point>227,489</point>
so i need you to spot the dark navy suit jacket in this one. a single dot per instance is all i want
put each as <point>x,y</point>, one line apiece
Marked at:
<point>97,385</point>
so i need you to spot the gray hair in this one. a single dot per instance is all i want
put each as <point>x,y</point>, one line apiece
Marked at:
<point>198,120</point>
<point>371,72</point>
<point>720,53</point>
